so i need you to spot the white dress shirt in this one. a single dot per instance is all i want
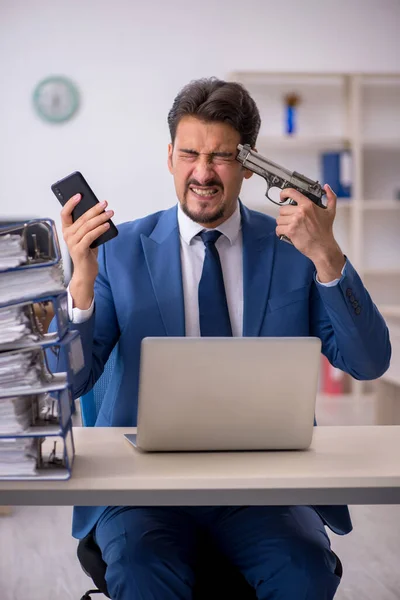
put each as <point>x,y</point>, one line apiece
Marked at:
<point>230,249</point>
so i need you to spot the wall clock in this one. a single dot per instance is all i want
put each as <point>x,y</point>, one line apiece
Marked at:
<point>56,99</point>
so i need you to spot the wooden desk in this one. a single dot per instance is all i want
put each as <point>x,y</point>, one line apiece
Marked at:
<point>345,465</point>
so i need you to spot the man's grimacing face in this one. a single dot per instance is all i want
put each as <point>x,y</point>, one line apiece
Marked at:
<point>207,176</point>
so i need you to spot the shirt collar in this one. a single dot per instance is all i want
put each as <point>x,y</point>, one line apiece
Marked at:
<point>188,229</point>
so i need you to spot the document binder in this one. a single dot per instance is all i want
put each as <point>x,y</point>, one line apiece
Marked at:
<point>27,368</point>
<point>36,414</point>
<point>37,457</point>
<point>36,404</point>
<point>28,449</point>
<point>39,270</point>
<point>37,241</point>
<point>20,326</point>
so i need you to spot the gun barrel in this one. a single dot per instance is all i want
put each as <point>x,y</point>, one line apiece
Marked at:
<point>276,175</point>
<point>259,164</point>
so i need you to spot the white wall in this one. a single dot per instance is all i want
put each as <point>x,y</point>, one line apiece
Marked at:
<point>130,59</point>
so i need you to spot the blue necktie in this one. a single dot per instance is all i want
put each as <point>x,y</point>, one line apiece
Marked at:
<point>213,307</point>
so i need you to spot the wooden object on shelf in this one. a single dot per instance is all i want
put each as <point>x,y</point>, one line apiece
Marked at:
<point>44,313</point>
<point>6,511</point>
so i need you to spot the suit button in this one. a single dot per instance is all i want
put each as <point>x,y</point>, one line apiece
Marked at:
<point>349,292</point>
<point>352,299</point>
<point>358,310</point>
<point>355,304</point>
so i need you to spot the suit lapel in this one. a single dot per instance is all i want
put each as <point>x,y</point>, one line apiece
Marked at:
<point>259,241</point>
<point>162,253</point>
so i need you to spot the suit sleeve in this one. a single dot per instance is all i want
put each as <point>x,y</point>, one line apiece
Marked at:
<point>354,335</point>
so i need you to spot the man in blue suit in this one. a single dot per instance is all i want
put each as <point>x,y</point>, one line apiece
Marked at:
<point>169,274</point>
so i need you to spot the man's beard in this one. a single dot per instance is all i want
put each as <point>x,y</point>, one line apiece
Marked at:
<point>203,217</point>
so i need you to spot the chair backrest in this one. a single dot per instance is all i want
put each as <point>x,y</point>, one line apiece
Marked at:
<point>91,402</point>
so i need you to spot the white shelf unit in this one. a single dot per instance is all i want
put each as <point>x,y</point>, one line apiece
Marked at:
<point>341,111</point>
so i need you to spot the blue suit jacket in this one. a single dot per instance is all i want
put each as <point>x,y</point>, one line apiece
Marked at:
<point>138,293</point>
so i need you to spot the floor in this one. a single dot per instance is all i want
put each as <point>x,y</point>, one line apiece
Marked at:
<point>38,555</point>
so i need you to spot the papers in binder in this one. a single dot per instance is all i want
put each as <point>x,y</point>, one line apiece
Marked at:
<point>32,432</point>
<point>27,244</point>
<point>39,457</point>
<point>18,457</point>
<point>15,415</point>
<point>20,325</point>
<point>34,247</point>
<point>14,325</point>
<point>20,284</point>
<point>35,414</point>
<point>27,368</point>
<point>12,251</point>
<point>21,367</point>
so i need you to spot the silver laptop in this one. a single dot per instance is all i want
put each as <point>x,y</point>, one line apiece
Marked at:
<point>203,394</point>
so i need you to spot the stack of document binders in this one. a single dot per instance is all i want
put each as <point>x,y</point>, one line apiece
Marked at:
<point>36,405</point>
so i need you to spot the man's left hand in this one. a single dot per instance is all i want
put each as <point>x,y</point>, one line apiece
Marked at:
<point>310,229</point>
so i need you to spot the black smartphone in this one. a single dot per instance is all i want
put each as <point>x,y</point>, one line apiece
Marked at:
<point>75,183</point>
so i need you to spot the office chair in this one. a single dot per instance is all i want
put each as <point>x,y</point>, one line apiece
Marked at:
<point>216,578</point>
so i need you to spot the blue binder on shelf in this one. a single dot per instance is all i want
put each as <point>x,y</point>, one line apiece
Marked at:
<point>336,170</point>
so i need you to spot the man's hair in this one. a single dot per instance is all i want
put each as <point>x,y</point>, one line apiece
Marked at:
<point>212,99</point>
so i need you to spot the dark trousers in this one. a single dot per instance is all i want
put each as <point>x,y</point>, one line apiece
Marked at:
<point>283,551</point>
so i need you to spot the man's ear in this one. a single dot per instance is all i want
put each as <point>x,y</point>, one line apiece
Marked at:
<point>170,151</point>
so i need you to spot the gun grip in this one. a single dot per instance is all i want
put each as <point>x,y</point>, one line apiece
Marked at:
<point>284,238</point>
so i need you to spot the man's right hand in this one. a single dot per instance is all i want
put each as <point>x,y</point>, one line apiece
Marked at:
<point>78,236</point>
